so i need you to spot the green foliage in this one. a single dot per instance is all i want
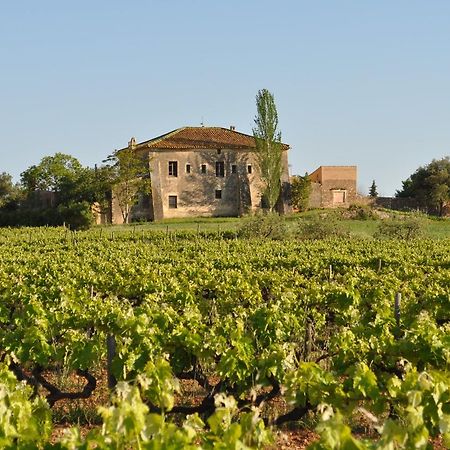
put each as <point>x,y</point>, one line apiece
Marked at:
<point>405,228</point>
<point>51,173</point>
<point>72,189</point>
<point>268,147</point>
<point>127,423</point>
<point>373,193</point>
<point>320,227</point>
<point>90,185</point>
<point>130,178</point>
<point>360,212</point>
<point>300,192</point>
<point>261,317</point>
<point>9,192</point>
<point>77,216</point>
<point>422,406</point>
<point>266,225</point>
<point>158,384</point>
<point>430,184</point>
<point>23,420</point>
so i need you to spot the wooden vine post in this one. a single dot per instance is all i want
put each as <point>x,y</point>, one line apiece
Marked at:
<point>397,302</point>
<point>110,354</point>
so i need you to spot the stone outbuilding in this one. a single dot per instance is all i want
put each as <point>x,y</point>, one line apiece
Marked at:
<point>333,186</point>
<point>202,171</point>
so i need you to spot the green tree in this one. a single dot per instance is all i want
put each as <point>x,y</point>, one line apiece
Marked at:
<point>373,190</point>
<point>76,189</point>
<point>429,184</point>
<point>52,173</point>
<point>130,178</point>
<point>92,185</point>
<point>8,190</point>
<point>300,191</point>
<point>64,175</point>
<point>268,147</point>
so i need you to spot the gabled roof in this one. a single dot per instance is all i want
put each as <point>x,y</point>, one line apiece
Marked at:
<point>202,137</point>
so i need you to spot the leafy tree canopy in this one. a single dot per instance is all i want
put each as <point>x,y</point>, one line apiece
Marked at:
<point>429,184</point>
<point>52,173</point>
<point>73,183</point>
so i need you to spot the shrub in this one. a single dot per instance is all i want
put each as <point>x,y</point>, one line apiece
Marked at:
<point>360,212</point>
<point>264,225</point>
<point>78,216</point>
<point>401,228</point>
<point>320,228</point>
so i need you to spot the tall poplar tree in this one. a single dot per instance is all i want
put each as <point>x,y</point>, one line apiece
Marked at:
<point>268,147</point>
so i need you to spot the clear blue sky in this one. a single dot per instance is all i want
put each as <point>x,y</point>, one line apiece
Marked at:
<point>356,82</point>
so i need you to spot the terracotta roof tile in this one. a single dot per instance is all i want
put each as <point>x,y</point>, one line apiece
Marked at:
<point>202,137</point>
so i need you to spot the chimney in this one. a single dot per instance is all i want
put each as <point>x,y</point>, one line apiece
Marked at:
<point>232,128</point>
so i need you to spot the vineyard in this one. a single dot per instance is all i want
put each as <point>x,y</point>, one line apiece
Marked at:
<point>208,341</point>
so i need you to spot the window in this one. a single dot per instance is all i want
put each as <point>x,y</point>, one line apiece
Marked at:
<point>220,169</point>
<point>249,169</point>
<point>173,168</point>
<point>203,168</point>
<point>188,168</point>
<point>233,168</point>
<point>173,202</point>
<point>218,193</point>
<point>219,151</point>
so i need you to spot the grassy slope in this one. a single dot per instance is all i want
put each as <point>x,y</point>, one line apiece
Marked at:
<point>436,228</point>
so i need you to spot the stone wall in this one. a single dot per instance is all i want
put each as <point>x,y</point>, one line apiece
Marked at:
<point>315,198</point>
<point>407,204</point>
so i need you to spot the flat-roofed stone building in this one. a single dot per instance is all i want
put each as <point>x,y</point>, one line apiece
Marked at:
<point>333,186</point>
<point>203,171</point>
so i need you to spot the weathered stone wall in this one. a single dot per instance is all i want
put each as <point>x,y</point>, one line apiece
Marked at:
<point>196,191</point>
<point>315,198</point>
<point>285,206</point>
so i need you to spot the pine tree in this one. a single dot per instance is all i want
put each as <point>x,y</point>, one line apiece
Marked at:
<point>373,190</point>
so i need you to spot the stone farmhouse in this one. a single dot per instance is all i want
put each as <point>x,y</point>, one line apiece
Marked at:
<point>333,186</point>
<point>202,171</point>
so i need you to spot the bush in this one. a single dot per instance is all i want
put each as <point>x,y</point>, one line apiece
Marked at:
<point>360,212</point>
<point>264,225</point>
<point>320,228</point>
<point>24,217</point>
<point>401,228</point>
<point>78,216</point>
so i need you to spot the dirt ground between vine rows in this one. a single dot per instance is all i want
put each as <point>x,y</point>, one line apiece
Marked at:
<point>83,413</point>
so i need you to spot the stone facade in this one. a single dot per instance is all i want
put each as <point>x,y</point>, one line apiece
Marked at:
<point>202,171</point>
<point>333,186</point>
